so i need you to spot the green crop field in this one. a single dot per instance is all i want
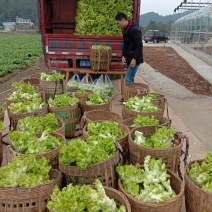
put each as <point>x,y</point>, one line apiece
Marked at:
<point>17,51</point>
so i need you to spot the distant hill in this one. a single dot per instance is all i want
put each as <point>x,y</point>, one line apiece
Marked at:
<point>151,16</point>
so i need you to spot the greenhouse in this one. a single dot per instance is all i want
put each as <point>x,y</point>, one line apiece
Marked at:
<point>192,28</point>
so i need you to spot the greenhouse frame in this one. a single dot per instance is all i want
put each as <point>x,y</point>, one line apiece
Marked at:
<point>192,28</point>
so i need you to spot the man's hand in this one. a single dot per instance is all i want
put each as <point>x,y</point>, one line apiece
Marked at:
<point>123,59</point>
<point>133,63</point>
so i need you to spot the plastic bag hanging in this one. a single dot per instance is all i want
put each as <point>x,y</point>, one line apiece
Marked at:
<point>104,87</point>
<point>74,82</point>
<point>86,83</point>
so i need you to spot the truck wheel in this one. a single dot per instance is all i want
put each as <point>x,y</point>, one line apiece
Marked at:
<point>146,41</point>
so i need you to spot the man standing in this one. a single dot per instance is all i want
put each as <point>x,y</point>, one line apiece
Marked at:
<point>132,52</point>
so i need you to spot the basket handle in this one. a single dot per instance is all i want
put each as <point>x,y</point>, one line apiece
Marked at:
<point>11,151</point>
<point>108,60</point>
<point>99,60</point>
<point>119,148</point>
<point>56,84</point>
<point>185,152</point>
<point>167,108</point>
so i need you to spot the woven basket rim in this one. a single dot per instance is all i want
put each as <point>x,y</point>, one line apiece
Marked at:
<point>38,186</point>
<point>129,84</point>
<point>156,149</point>
<point>44,153</point>
<point>190,181</point>
<point>117,192</point>
<point>119,124</point>
<point>64,107</point>
<point>31,112</point>
<point>170,172</point>
<point>61,126</point>
<point>92,165</point>
<point>156,116</point>
<point>158,111</point>
<point>109,101</point>
<point>93,112</point>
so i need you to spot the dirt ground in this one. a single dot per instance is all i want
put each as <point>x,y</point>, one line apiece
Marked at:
<point>172,65</point>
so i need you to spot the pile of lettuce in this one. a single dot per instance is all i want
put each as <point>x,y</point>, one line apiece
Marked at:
<point>140,120</point>
<point>151,184</point>
<point>23,92</point>
<point>83,153</point>
<point>95,99</point>
<point>161,139</point>
<point>26,106</point>
<point>140,104</point>
<point>51,77</point>
<point>63,100</point>
<point>201,174</point>
<point>82,198</point>
<point>25,172</point>
<point>105,129</point>
<point>98,17</point>
<point>37,124</point>
<point>26,142</point>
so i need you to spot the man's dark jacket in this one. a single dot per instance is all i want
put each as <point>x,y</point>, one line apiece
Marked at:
<point>133,46</point>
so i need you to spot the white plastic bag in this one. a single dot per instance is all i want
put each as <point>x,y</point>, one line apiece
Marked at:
<point>104,87</point>
<point>73,83</point>
<point>86,83</point>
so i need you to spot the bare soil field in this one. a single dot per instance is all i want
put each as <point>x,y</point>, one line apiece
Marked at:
<point>169,63</point>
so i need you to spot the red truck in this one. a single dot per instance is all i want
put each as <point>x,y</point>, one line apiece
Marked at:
<point>64,49</point>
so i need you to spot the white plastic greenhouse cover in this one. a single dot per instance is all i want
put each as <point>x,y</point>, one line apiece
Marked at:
<point>206,11</point>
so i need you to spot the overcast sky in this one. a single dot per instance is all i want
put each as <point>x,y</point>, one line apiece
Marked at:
<point>162,7</point>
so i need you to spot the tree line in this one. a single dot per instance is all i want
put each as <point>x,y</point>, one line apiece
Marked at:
<point>26,9</point>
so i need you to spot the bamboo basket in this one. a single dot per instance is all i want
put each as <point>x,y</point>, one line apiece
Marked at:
<point>170,156</point>
<point>123,141</point>
<point>100,59</point>
<point>70,115</point>
<point>95,115</point>
<point>133,89</point>
<point>163,121</point>
<point>105,107</point>
<point>8,102</point>
<point>172,205</point>
<point>14,117</point>
<point>126,113</point>
<point>196,199</point>
<point>160,102</point>
<point>104,171</point>
<point>60,130</point>
<point>52,88</point>
<point>52,156</point>
<point>119,197</point>
<point>29,199</point>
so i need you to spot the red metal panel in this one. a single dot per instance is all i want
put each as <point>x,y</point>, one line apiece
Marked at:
<point>64,15</point>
